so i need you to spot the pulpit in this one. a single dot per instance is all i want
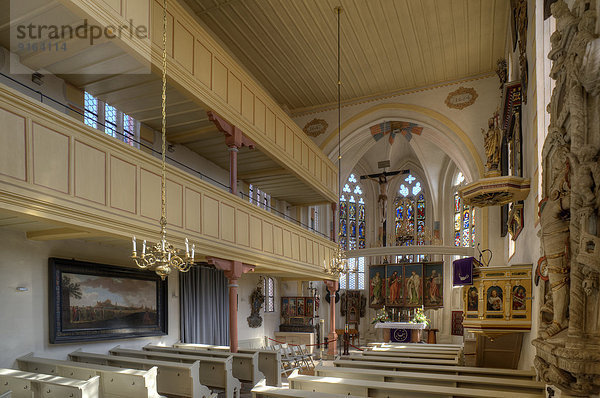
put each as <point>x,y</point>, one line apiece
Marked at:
<point>401,332</point>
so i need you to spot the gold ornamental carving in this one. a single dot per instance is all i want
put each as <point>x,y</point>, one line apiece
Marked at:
<point>315,127</point>
<point>495,191</point>
<point>461,98</point>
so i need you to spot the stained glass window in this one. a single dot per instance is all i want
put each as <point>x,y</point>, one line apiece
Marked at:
<point>464,223</point>
<point>352,226</point>
<point>410,216</point>
<point>355,278</point>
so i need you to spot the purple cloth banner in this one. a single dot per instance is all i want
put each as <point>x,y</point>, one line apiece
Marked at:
<point>463,271</point>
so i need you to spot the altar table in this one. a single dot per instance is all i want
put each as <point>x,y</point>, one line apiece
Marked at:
<point>401,332</point>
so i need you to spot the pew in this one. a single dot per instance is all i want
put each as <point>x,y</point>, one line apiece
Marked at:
<point>401,354</point>
<point>438,369</point>
<point>114,382</point>
<point>213,372</point>
<point>392,389</point>
<point>33,385</point>
<point>262,390</point>
<point>447,380</point>
<point>269,361</point>
<point>6,394</point>
<point>417,345</point>
<point>180,379</point>
<point>445,350</point>
<point>245,366</point>
<point>386,357</point>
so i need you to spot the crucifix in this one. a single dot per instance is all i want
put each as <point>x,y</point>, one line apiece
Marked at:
<point>381,179</point>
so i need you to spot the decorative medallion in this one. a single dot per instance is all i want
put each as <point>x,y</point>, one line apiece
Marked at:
<point>461,98</point>
<point>380,130</point>
<point>315,127</point>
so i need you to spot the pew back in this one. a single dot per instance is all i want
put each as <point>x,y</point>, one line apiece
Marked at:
<point>269,361</point>
<point>391,389</point>
<point>213,372</point>
<point>390,357</point>
<point>244,365</point>
<point>172,378</point>
<point>261,390</point>
<point>27,384</point>
<point>448,380</point>
<point>114,382</point>
<point>438,369</point>
<point>431,355</point>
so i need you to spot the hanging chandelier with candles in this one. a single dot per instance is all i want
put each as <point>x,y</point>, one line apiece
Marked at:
<point>338,262</point>
<point>163,257</point>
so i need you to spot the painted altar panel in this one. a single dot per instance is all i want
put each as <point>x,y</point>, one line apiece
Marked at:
<point>413,284</point>
<point>377,286</point>
<point>394,285</point>
<point>433,294</point>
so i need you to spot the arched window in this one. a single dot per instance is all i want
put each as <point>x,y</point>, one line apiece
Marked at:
<point>269,292</point>
<point>464,220</point>
<point>410,215</point>
<point>355,277</point>
<point>352,216</point>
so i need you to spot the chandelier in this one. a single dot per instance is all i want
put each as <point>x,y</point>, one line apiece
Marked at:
<point>163,257</point>
<point>338,263</point>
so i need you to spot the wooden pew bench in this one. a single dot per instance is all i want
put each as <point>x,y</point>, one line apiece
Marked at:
<point>387,357</point>
<point>439,369</point>
<point>269,361</point>
<point>180,379</point>
<point>261,390</point>
<point>454,351</point>
<point>417,345</point>
<point>391,389</point>
<point>244,365</point>
<point>30,385</point>
<point>7,394</point>
<point>114,382</point>
<point>447,380</point>
<point>403,354</point>
<point>212,372</point>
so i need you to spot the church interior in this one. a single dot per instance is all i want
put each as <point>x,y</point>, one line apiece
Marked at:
<point>308,198</point>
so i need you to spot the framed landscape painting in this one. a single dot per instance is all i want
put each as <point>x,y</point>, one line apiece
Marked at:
<point>91,302</point>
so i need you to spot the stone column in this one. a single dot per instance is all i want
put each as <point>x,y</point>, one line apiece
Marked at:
<point>233,271</point>
<point>332,286</point>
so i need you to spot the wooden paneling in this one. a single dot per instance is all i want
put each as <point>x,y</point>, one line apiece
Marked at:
<point>13,151</point>
<point>193,210</point>
<point>51,158</point>
<point>100,167</point>
<point>90,173</point>
<point>248,104</point>
<point>183,47</point>
<point>219,82</point>
<point>138,11</point>
<point>203,64</point>
<point>259,115</point>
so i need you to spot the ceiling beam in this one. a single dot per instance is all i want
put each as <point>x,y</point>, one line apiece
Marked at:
<point>187,137</point>
<point>60,234</point>
<point>263,173</point>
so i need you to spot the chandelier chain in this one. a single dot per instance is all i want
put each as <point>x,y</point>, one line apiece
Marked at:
<point>163,204</point>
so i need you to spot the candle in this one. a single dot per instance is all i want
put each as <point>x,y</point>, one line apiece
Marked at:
<point>144,247</point>
<point>187,247</point>
<point>134,245</point>
<point>193,249</point>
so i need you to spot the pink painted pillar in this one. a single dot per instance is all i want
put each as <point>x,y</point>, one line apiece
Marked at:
<point>332,286</point>
<point>233,272</point>
<point>233,152</point>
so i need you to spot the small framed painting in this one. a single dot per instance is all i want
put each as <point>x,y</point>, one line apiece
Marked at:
<point>300,306</point>
<point>292,307</point>
<point>310,306</point>
<point>394,286</point>
<point>376,286</point>
<point>91,302</point>
<point>457,323</point>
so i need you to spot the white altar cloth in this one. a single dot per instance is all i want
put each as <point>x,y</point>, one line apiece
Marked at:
<point>399,325</point>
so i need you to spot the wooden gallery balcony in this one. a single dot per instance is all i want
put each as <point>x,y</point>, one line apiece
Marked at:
<point>68,181</point>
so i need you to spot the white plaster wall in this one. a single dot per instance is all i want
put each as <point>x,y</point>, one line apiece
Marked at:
<point>254,337</point>
<point>24,322</point>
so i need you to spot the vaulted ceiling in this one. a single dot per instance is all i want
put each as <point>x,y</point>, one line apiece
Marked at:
<point>387,45</point>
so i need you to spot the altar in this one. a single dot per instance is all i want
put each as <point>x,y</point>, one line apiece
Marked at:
<point>401,332</point>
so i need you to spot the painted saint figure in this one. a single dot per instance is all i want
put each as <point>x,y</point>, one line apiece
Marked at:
<point>434,281</point>
<point>494,300</point>
<point>518,301</point>
<point>394,284</point>
<point>413,287</point>
<point>472,299</point>
<point>377,289</point>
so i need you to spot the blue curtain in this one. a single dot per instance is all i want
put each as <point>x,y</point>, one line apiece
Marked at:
<point>204,306</point>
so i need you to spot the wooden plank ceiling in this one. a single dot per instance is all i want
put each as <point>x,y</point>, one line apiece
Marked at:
<point>387,45</point>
